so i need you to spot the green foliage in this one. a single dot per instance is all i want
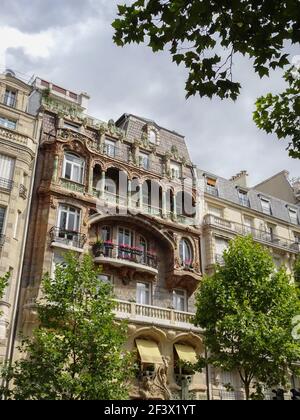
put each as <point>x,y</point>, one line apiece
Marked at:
<point>280,114</point>
<point>3,285</point>
<point>77,351</point>
<point>297,273</point>
<point>205,35</point>
<point>246,309</point>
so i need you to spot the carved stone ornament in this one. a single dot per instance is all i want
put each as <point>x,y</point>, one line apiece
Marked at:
<point>156,387</point>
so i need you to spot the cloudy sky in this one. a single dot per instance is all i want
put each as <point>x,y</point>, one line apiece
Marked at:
<point>70,43</point>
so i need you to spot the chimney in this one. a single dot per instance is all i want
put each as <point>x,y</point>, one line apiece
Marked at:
<point>240,179</point>
<point>84,100</point>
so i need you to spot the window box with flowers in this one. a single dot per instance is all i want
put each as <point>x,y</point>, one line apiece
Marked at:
<point>109,244</point>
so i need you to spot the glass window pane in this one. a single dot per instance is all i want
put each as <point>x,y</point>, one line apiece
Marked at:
<point>2,216</point>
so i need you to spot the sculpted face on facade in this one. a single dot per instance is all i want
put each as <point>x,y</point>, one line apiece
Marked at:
<point>127,193</point>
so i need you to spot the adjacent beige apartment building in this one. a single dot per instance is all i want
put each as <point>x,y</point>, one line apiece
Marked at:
<point>19,134</point>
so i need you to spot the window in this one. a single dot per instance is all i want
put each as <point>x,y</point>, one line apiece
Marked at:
<point>179,300</point>
<point>58,260</point>
<point>73,168</point>
<point>106,233</point>
<point>10,98</point>
<point>297,237</point>
<point>71,126</point>
<point>69,219</point>
<point>266,206</point>
<point>294,216</point>
<point>152,137</point>
<point>7,166</point>
<point>144,160</point>
<point>249,225</point>
<point>221,246</point>
<point>7,123</point>
<point>243,198</point>
<point>211,186</point>
<point>175,170</point>
<point>143,294</point>
<point>186,253</point>
<point>125,237</point>
<point>2,218</point>
<point>110,148</point>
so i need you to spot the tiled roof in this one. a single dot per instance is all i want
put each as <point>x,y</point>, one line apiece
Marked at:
<point>228,190</point>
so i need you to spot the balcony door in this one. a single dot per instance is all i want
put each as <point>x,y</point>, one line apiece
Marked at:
<point>69,224</point>
<point>7,166</point>
<point>143,295</point>
<point>125,242</point>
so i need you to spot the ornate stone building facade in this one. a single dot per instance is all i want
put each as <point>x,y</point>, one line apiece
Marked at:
<point>19,135</point>
<point>127,193</point>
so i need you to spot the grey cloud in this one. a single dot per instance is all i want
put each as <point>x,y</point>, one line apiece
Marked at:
<point>221,135</point>
<point>37,15</point>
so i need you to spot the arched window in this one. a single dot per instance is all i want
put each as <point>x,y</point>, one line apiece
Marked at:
<point>73,168</point>
<point>152,137</point>
<point>186,253</point>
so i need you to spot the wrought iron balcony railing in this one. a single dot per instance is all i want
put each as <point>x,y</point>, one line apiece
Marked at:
<point>212,190</point>
<point>126,253</point>
<point>6,184</point>
<point>259,235</point>
<point>67,238</point>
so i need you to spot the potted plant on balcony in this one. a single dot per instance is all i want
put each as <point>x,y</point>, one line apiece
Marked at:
<point>98,248</point>
<point>109,244</point>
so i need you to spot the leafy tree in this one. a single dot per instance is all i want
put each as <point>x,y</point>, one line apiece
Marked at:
<point>297,272</point>
<point>76,352</point>
<point>280,114</point>
<point>205,36</point>
<point>246,309</point>
<point>3,284</point>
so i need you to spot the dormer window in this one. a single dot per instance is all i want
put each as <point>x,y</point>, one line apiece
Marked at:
<point>175,170</point>
<point>293,213</point>
<point>144,160</point>
<point>243,198</point>
<point>266,206</point>
<point>10,98</point>
<point>152,137</point>
<point>211,186</point>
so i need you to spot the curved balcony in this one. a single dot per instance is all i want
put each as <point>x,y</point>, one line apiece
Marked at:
<point>122,255</point>
<point>66,239</point>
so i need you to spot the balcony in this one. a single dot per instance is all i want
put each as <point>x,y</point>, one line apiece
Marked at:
<point>259,235</point>
<point>6,184</point>
<point>66,239</point>
<point>154,315</point>
<point>212,190</point>
<point>72,186</point>
<point>122,255</point>
<point>2,240</point>
<point>23,192</point>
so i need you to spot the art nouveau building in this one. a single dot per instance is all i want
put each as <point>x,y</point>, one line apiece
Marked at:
<point>19,134</point>
<point>125,192</point>
<point>270,212</point>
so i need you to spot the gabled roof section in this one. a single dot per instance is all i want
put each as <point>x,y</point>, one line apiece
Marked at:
<point>278,186</point>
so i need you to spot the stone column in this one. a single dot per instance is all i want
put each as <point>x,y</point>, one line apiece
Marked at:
<point>102,184</point>
<point>55,169</point>
<point>141,196</point>
<point>91,179</point>
<point>174,205</point>
<point>129,200</point>
<point>164,204</point>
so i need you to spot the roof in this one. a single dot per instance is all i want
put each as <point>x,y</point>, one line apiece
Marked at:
<point>134,126</point>
<point>228,190</point>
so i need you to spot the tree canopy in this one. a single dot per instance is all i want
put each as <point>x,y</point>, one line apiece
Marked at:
<point>280,114</point>
<point>247,309</point>
<point>206,35</point>
<point>76,352</point>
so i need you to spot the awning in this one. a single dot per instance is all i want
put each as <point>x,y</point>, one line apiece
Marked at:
<point>149,351</point>
<point>186,353</point>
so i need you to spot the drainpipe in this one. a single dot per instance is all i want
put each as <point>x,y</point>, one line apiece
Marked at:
<point>15,313</point>
<point>207,376</point>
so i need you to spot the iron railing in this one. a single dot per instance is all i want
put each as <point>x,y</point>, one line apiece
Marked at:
<point>6,184</point>
<point>126,253</point>
<point>67,238</point>
<point>212,190</point>
<point>259,235</point>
